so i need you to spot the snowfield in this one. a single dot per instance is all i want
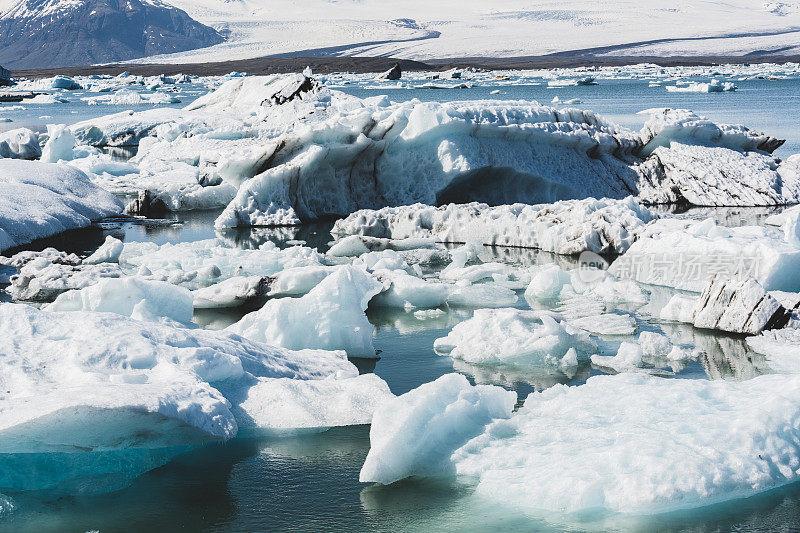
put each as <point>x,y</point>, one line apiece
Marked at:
<point>421,30</point>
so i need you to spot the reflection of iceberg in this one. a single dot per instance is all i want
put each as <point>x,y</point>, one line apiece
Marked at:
<point>722,356</point>
<point>539,379</point>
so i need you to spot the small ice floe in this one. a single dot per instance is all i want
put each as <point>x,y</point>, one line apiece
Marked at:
<point>331,316</point>
<point>714,86</point>
<point>416,433</point>
<point>133,297</point>
<point>232,292</point>
<point>516,337</point>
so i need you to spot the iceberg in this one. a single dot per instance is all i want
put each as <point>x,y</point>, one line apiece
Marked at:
<point>87,383</point>
<point>20,143</point>
<point>515,337</point>
<point>614,444</point>
<point>415,434</point>
<point>685,255</point>
<point>129,296</point>
<point>202,263</point>
<point>331,316</point>
<point>738,306</point>
<point>284,149</point>
<point>39,200</point>
<point>566,227</point>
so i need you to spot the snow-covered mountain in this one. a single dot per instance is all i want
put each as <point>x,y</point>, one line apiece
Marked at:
<point>420,29</point>
<point>54,33</point>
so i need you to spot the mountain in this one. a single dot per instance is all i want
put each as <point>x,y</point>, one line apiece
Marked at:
<point>57,33</point>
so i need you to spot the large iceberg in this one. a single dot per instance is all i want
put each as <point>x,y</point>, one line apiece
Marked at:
<point>40,200</point>
<point>84,382</point>
<point>614,443</point>
<point>294,150</point>
<point>566,227</point>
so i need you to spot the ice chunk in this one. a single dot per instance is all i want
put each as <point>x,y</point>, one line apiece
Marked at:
<point>407,291</point>
<point>606,324</point>
<point>233,292</point>
<point>481,295</point>
<point>738,306</point>
<point>44,275</point>
<point>329,317</point>
<point>108,252</point>
<point>40,200</point>
<point>20,143</point>
<point>614,444</point>
<point>129,296</point>
<point>285,404</point>
<point>415,434</point>
<point>85,383</point>
<point>781,347</point>
<point>685,255</point>
<point>566,227</point>
<point>680,308</point>
<point>208,261</point>
<point>60,144</point>
<point>514,337</point>
<point>628,358</point>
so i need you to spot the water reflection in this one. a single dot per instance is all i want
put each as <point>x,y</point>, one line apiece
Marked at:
<point>724,216</point>
<point>723,356</point>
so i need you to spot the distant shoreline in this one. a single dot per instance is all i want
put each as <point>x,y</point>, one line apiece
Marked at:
<point>327,65</point>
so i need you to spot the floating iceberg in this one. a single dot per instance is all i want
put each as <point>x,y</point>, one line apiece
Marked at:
<point>565,227</point>
<point>687,254</point>
<point>614,444</point>
<point>515,337</point>
<point>292,150</point>
<point>714,86</point>
<point>129,296</point>
<point>415,434</point>
<point>85,382</point>
<point>40,200</point>
<point>201,263</point>
<point>20,143</point>
<point>330,317</point>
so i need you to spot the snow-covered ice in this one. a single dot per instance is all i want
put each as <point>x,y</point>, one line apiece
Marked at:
<point>94,382</point>
<point>686,254</point>
<point>40,200</point>
<point>566,227</point>
<point>515,337</point>
<point>614,444</point>
<point>129,296</point>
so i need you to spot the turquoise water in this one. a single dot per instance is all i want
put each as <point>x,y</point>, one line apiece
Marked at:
<point>310,482</point>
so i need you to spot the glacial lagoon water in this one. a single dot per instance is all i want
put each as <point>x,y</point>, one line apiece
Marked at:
<point>310,482</point>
